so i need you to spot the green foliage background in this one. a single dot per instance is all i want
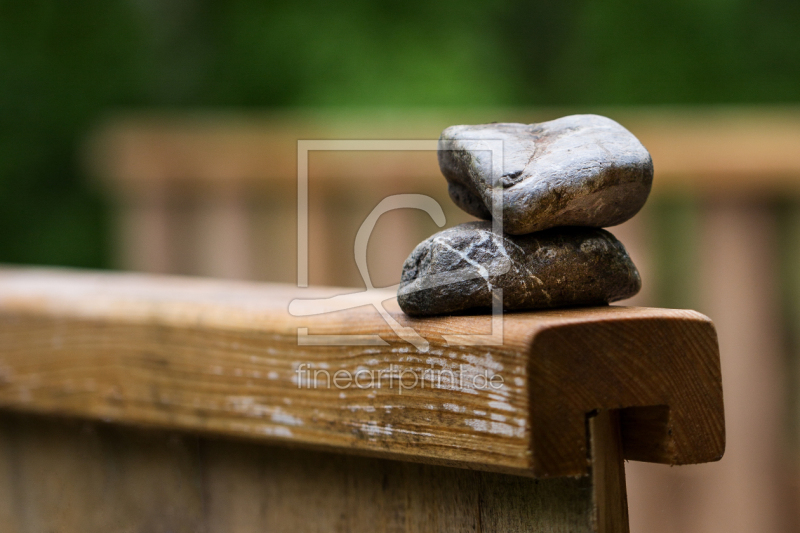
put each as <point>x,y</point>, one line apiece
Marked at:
<point>64,64</point>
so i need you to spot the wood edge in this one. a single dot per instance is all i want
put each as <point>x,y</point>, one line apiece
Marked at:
<point>658,437</point>
<point>49,414</point>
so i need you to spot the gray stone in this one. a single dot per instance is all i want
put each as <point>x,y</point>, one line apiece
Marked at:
<point>456,270</point>
<point>580,170</point>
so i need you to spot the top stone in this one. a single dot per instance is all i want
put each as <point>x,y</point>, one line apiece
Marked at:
<point>580,170</point>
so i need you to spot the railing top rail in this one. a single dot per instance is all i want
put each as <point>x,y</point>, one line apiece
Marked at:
<point>700,150</point>
<point>225,358</point>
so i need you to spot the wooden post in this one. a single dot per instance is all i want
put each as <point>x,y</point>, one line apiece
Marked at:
<point>143,232</point>
<point>211,373</point>
<point>224,242</point>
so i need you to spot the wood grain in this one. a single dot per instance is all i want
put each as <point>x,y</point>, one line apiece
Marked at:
<point>222,358</point>
<point>608,472</point>
<point>93,477</point>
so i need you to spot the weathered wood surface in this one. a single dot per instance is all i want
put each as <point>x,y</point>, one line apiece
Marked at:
<point>222,357</point>
<point>87,477</point>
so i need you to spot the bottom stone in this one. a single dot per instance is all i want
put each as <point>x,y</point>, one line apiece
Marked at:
<point>457,269</point>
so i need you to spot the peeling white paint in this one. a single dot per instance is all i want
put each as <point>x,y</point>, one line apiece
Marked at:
<point>495,428</point>
<point>279,431</point>
<point>374,430</point>
<point>478,425</point>
<point>502,406</point>
<point>454,407</point>
<point>282,417</point>
<point>366,408</point>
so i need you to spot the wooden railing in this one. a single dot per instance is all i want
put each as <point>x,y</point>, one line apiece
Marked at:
<point>564,398</point>
<point>216,196</point>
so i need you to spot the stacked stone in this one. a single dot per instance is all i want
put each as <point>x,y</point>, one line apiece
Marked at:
<point>561,182</point>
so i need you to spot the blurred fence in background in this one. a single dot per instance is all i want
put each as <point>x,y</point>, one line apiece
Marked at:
<point>216,195</point>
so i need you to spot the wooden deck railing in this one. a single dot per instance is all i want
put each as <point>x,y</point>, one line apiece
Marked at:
<point>565,398</point>
<point>215,195</point>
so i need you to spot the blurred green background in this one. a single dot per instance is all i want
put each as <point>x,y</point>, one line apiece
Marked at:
<point>63,65</point>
